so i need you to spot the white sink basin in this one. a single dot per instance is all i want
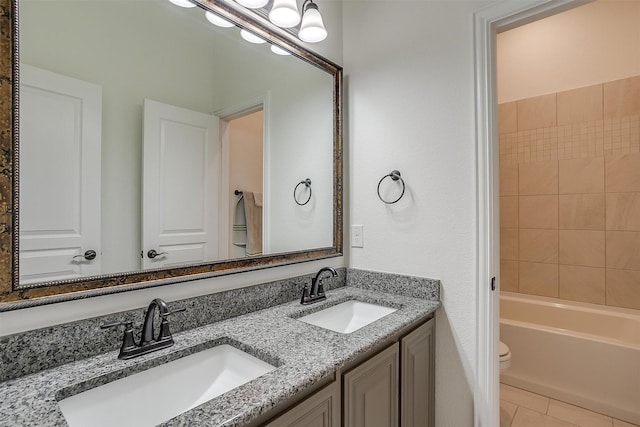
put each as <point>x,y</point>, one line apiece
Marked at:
<point>151,397</point>
<point>348,316</point>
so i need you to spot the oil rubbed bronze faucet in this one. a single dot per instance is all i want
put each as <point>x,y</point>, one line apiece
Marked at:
<point>317,289</point>
<point>148,343</point>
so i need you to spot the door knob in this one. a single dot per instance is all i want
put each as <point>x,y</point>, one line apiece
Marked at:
<point>153,253</point>
<point>88,255</point>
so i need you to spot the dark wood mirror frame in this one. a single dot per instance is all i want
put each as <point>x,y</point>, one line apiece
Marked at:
<point>13,296</point>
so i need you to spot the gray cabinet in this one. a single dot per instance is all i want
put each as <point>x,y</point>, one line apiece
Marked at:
<point>371,391</point>
<point>417,366</point>
<point>394,388</point>
<point>322,409</point>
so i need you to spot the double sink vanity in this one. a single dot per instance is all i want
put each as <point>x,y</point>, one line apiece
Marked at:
<point>284,365</point>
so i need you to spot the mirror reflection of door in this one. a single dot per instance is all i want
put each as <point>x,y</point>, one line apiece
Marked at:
<point>181,170</point>
<point>245,142</point>
<point>60,143</point>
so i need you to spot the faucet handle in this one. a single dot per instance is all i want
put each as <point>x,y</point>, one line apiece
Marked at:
<point>305,295</point>
<point>165,332</point>
<point>128,342</point>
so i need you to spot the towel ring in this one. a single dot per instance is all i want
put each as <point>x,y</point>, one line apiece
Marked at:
<point>394,175</point>
<point>307,184</point>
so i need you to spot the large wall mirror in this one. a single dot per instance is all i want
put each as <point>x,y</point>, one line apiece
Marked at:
<point>156,147</point>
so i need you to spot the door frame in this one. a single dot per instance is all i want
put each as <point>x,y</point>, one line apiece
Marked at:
<point>226,115</point>
<point>488,22</point>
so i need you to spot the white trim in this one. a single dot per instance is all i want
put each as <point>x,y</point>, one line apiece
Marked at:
<point>224,233</point>
<point>487,23</point>
<point>266,173</point>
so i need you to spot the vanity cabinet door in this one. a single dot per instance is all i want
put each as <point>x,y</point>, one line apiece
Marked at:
<point>371,391</point>
<point>321,409</point>
<point>418,374</point>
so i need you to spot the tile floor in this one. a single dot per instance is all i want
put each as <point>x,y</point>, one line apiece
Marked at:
<point>521,408</point>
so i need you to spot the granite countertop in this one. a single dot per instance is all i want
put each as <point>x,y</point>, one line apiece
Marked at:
<point>304,354</point>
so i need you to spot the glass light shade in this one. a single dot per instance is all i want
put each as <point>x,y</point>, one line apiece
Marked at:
<point>312,28</point>
<point>183,3</point>
<point>253,4</point>
<point>217,20</point>
<point>284,13</point>
<point>279,51</point>
<point>251,38</point>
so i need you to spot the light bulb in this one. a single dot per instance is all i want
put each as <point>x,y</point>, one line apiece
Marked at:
<point>183,3</point>
<point>278,50</point>
<point>251,38</point>
<point>217,20</point>
<point>253,4</point>
<point>284,13</point>
<point>312,28</point>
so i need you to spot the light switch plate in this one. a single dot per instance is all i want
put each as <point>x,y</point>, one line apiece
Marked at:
<point>357,236</point>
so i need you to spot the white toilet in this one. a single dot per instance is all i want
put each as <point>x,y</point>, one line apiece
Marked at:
<point>505,356</point>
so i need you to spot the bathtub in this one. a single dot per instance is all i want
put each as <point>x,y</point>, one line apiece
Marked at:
<point>584,354</point>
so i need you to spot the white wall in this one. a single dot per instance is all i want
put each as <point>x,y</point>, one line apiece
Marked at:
<point>302,149</point>
<point>591,44</point>
<point>410,96</point>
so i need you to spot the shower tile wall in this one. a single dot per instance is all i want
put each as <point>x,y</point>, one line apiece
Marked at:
<point>570,194</point>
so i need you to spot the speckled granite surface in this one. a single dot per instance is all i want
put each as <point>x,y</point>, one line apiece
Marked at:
<point>411,286</point>
<point>303,353</point>
<point>40,349</point>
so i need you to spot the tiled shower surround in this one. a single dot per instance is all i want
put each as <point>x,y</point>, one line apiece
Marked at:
<point>570,194</point>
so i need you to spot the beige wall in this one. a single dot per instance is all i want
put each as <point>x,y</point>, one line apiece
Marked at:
<point>245,165</point>
<point>594,43</point>
<point>570,194</point>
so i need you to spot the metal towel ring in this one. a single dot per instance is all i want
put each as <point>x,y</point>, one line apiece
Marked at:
<point>307,184</point>
<point>394,175</point>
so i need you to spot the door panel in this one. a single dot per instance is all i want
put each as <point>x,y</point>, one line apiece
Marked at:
<point>418,375</point>
<point>371,391</point>
<point>60,163</point>
<point>181,164</point>
<point>322,409</point>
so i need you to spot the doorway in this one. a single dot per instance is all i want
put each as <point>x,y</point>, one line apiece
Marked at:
<point>488,24</point>
<point>244,142</point>
<point>245,176</point>
<point>568,132</point>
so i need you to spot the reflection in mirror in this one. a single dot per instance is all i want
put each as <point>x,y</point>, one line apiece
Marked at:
<point>138,122</point>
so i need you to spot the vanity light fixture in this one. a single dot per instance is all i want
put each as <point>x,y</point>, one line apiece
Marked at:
<point>251,38</point>
<point>217,20</point>
<point>253,4</point>
<point>284,13</point>
<point>183,3</point>
<point>279,51</point>
<point>312,29</point>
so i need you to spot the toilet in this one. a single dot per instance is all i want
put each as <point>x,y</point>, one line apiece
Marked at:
<point>505,356</point>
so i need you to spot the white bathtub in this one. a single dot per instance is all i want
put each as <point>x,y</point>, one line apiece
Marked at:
<point>584,354</point>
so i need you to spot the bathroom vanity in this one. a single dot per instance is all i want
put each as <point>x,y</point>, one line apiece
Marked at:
<point>399,380</point>
<point>319,376</point>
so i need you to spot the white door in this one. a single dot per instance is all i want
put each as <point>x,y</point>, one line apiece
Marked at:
<point>60,142</point>
<point>181,163</point>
